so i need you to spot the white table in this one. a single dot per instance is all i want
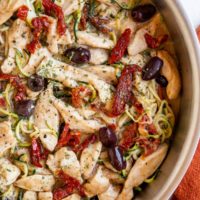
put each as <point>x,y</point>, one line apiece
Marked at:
<point>192,7</point>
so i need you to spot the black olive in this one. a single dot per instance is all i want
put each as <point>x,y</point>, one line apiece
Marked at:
<point>162,81</point>
<point>78,55</point>
<point>107,137</point>
<point>152,69</point>
<point>24,108</point>
<point>116,158</point>
<point>36,83</point>
<point>143,13</point>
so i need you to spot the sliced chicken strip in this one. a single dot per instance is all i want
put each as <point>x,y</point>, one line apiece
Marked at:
<point>138,42</point>
<point>67,161</point>
<point>97,184</point>
<point>89,158</point>
<point>30,195</point>
<point>111,193</point>
<point>94,40</point>
<point>69,6</point>
<point>54,39</point>
<point>8,8</point>
<point>45,196</point>
<point>8,173</point>
<point>76,121</point>
<point>105,72</point>
<point>36,183</point>
<point>142,169</point>
<point>114,177</point>
<point>19,35</point>
<point>45,115</point>
<point>73,197</point>
<point>56,70</point>
<point>35,60</point>
<point>98,56</point>
<point>7,139</point>
<point>171,73</point>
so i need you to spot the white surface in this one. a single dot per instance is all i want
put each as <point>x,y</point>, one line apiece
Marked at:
<point>192,7</point>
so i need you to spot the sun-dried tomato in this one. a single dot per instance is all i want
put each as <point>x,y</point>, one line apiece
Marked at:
<point>78,95</point>
<point>100,24</point>
<point>123,91</point>
<point>40,25</point>
<point>52,9</point>
<point>137,105</point>
<point>90,140</point>
<point>71,185</point>
<point>155,43</point>
<point>149,145</point>
<point>121,47</point>
<point>22,12</point>
<point>2,102</point>
<point>37,152</point>
<point>16,82</point>
<point>84,18</point>
<point>68,138</point>
<point>148,127</point>
<point>128,136</point>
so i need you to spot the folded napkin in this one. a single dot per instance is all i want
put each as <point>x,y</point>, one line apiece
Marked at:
<point>189,189</point>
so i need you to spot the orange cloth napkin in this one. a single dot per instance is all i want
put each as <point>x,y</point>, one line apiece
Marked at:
<point>189,189</point>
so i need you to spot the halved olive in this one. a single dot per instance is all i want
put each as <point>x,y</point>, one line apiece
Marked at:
<point>107,137</point>
<point>24,108</point>
<point>36,83</point>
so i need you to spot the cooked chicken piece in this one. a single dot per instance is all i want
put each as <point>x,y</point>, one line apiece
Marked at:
<point>138,42</point>
<point>37,183</point>
<point>42,171</point>
<point>138,59</point>
<point>142,169</point>
<point>106,73</point>
<point>8,173</point>
<point>54,39</point>
<point>94,40</point>
<point>45,115</point>
<point>98,56</point>
<point>7,139</point>
<point>19,35</point>
<point>69,6</point>
<point>111,193</point>
<point>73,197</point>
<point>30,195</point>
<point>89,158</point>
<point>45,196</point>
<point>53,69</point>
<point>67,161</point>
<point>86,112</point>
<point>76,121</point>
<point>8,8</point>
<point>114,177</point>
<point>106,118</point>
<point>171,73</point>
<point>35,60</point>
<point>97,184</point>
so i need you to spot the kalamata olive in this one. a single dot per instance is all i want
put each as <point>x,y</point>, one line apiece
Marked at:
<point>116,158</point>
<point>152,69</point>
<point>78,55</point>
<point>36,83</point>
<point>143,13</point>
<point>107,137</point>
<point>162,81</point>
<point>24,108</point>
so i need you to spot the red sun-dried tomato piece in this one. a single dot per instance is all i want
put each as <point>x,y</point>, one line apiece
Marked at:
<point>52,9</point>
<point>16,82</point>
<point>2,102</point>
<point>90,140</point>
<point>121,47</point>
<point>123,91</point>
<point>22,12</point>
<point>63,137</point>
<point>84,17</point>
<point>40,25</point>
<point>35,153</point>
<point>70,185</point>
<point>128,136</point>
<point>153,42</point>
